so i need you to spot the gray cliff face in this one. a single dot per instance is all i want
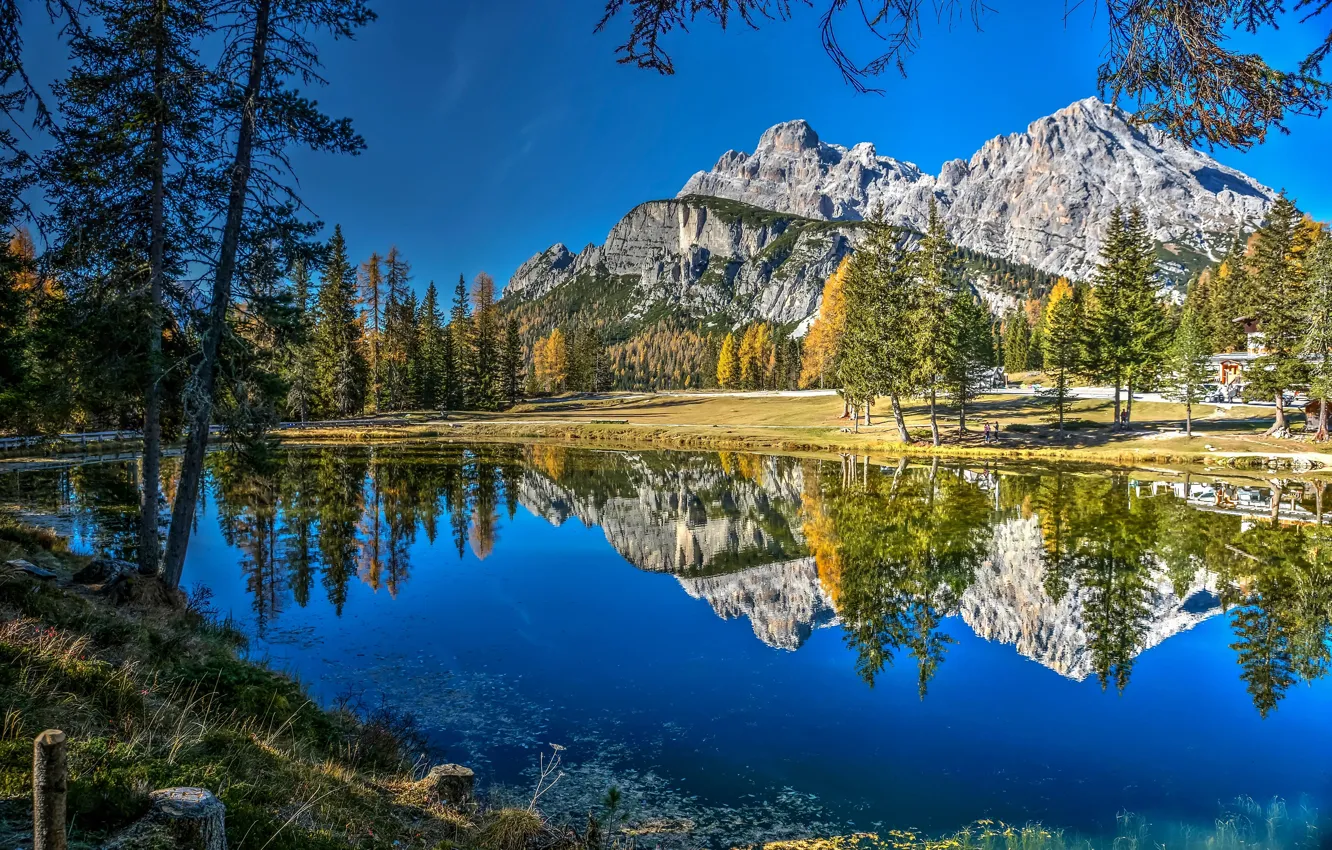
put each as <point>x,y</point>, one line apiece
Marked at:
<point>784,602</point>
<point>1041,197</point>
<point>688,253</point>
<point>686,520</point>
<point>714,534</point>
<point>792,171</point>
<point>1008,603</point>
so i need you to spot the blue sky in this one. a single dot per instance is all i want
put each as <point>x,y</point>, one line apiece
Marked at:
<point>498,127</point>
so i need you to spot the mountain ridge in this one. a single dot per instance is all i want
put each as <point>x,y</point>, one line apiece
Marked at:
<point>1041,196</point>
<point>753,238</point>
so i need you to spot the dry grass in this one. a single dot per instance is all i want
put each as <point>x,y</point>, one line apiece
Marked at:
<point>812,424</point>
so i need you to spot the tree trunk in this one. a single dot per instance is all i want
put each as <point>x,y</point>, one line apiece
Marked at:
<point>1279,425</point>
<point>867,413</point>
<point>149,545</point>
<point>50,783</point>
<point>1128,403</point>
<point>1117,407</point>
<point>1322,421</point>
<point>934,419</point>
<point>855,418</point>
<point>902,431</point>
<point>204,380</point>
<point>962,413</point>
<point>1188,418</point>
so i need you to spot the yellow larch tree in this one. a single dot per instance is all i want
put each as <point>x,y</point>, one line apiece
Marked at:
<point>825,336</point>
<point>728,364</point>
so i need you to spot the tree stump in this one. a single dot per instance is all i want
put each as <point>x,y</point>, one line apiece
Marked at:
<point>104,571</point>
<point>194,818</point>
<point>450,783</point>
<point>50,782</point>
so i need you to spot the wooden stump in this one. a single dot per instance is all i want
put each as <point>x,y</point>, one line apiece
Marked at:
<point>451,783</point>
<point>194,818</point>
<point>50,782</point>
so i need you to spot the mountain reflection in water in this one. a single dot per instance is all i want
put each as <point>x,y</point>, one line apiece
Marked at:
<point>1079,570</point>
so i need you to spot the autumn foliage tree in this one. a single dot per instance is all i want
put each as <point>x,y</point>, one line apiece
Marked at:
<point>822,343</point>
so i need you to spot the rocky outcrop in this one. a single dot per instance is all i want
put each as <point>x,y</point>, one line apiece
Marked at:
<point>784,602</point>
<point>1008,603</point>
<point>686,520</point>
<point>1041,197</point>
<point>705,256</point>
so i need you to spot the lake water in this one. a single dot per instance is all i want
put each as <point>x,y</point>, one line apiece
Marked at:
<point>755,647</point>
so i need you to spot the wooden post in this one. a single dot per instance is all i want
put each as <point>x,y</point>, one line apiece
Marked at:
<point>50,782</point>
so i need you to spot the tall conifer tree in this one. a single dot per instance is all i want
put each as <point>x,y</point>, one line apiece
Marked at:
<point>129,182</point>
<point>339,359</point>
<point>460,331</point>
<point>512,361</point>
<point>430,377</point>
<point>1276,271</point>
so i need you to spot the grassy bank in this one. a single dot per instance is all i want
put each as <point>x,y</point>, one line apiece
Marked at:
<point>805,423</point>
<point>153,693</point>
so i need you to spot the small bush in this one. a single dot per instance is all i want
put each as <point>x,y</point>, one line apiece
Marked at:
<point>1019,428</point>
<point>508,829</point>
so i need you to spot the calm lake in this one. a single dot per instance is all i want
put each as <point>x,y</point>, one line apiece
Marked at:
<point>752,647</point>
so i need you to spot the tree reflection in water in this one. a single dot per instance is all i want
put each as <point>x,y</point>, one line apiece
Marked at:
<point>895,548</point>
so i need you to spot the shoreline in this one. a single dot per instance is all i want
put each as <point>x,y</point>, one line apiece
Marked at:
<point>806,441</point>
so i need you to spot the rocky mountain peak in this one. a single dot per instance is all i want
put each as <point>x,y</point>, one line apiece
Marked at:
<point>1040,197</point>
<point>789,137</point>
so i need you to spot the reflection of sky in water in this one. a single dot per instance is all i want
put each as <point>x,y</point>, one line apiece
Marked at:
<point>555,638</point>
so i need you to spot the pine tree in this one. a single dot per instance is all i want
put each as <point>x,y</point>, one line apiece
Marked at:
<point>512,362</point>
<point>970,348</point>
<point>876,352</point>
<point>410,346</point>
<point>1317,343</point>
<point>266,50</point>
<point>300,351</point>
<point>728,364</point>
<point>1127,325</point>
<point>1062,341</point>
<point>1229,299</point>
<point>1150,330</point>
<point>1017,342</point>
<point>130,185</point>
<point>1277,273</point>
<point>431,389</point>
<point>460,333</point>
<point>339,361</point>
<point>449,379</point>
<point>1108,347</point>
<point>932,340</point>
<point>399,326</point>
<point>484,366</point>
<point>370,282</point>
<point>1187,370</point>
